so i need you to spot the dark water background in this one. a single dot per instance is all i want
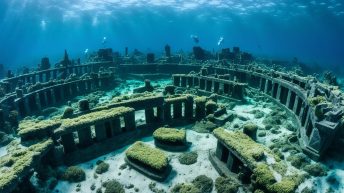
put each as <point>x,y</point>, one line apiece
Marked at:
<point>310,30</point>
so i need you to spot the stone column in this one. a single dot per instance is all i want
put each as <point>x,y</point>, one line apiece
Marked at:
<point>129,120</point>
<point>196,81</point>
<point>2,119</point>
<point>149,114</point>
<point>273,89</point>
<point>177,110</point>
<point>40,75</point>
<point>183,82</point>
<point>238,91</point>
<point>116,126</point>
<point>167,112</point>
<point>226,89</point>
<point>202,84</point>
<point>296,103</point>
<point>33,79</point>
<point>200,108</point>
<point>160,113</point>
<point>216,87</point>
<point>266,86</point>
<point>38,102</point>
<point>219,150</point>
<point>260,83</point>
<point>209,85</point>
<point>288,98</point>
<point>85,137</point>
<point>53,97</point>
<point>279,90</point>
<point>100,132</point>
<point>176,81</point>
<point>301,113</point>
<point>188,107</point>
<point>27,105</point>
<point>54,74</point>
<point>82,87</point>
<point>68,142</point>
<point>190,81</point>
<point>47,76</point>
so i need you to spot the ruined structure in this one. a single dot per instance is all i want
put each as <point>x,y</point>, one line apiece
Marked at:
<point>318,108</point>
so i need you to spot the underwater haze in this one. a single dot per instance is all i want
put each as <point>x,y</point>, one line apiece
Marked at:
<point>312,31</point>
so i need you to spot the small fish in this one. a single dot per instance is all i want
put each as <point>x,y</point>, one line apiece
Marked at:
<point>220,41</point>
<point>195,38</point>
<point>104,40</point>
<point>86,51</point>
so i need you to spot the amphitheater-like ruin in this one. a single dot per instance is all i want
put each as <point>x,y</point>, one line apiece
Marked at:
<point>79,136</point>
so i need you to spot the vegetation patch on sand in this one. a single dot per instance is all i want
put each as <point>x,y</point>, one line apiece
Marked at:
<point>170,135</point>
<point>188,158</point>
<point>146,155</point>
<point>74,174</point>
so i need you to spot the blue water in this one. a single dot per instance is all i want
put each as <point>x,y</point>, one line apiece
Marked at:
<point>310,30</point>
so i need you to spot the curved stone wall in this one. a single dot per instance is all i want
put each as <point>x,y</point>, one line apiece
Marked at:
<point>293,92</point>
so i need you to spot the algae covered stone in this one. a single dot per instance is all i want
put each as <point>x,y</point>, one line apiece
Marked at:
<point>185,188</point>
<point>203,183</point>
<point>188,158</point>
<point>148,156</point>
<point>250,129</point>
<point>113,186</point>
<point>170,135</point>
<point>102,167</point>
<point>74,174</point>
<point>226,185</point>
<point>316,169</point>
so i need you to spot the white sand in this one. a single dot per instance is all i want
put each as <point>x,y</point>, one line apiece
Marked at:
<point>180,173</point>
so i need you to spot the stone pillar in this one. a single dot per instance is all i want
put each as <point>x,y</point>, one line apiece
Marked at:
<point>296,103</point>
<point>219,150</point>
<point>167,111</point>
<point>216,87</point>
<point>209,85</point>
<point>129,120</point>
<point>266,87</point>
<point>40,75</point>
<point>273,90</point>
<point>160,113</point>
<point>301,113</point>
<point>176,81</point>
<point>196,81</point>
<point>100,132</point>
<point>260,83</point>
<point>53,97</point>
<point>202,84</point>
<point>200,108</point>
<point>238,91</point>
<point>54,74</point>
<point>183,83</point>
<point>27,105</point>
<point>190,81</point>
<point>85,137</point>
<point>149,114</point>
<point>116,126</point>
<point>82,87</point>
<point>57,155</point>
<point>188,107</point>
<point>68,142</point>
<point>38,102</point>
<point>2,119</point>
<point>177,110</point>
<point>226,88</point>
<point>279,90</point>
<point>47,76</point>
<point>287,104</point>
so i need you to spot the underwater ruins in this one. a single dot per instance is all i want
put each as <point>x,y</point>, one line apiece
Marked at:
<point>199,123</point>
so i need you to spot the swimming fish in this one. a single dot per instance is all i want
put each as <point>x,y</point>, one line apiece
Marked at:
<point>86,51</point>
<point>195,38</point>
<point>220,41</point>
